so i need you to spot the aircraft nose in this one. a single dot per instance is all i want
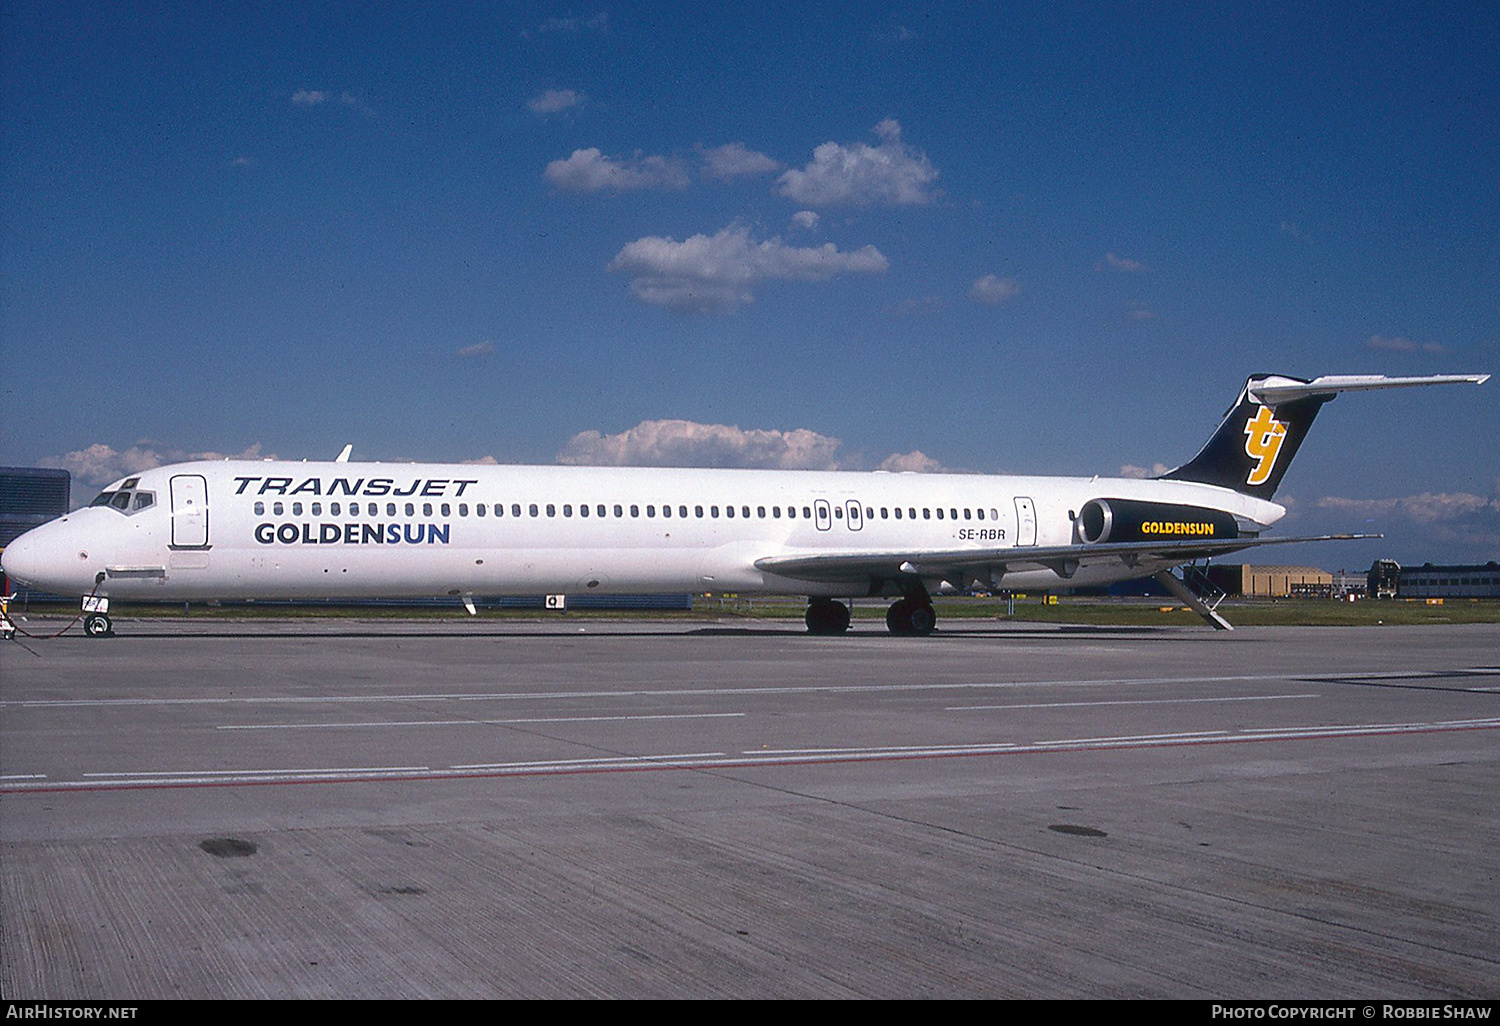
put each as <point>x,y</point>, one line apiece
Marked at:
<point>40,559</point>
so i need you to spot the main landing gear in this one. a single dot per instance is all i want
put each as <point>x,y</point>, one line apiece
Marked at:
<point>825,616</point>
<point>913,616</point>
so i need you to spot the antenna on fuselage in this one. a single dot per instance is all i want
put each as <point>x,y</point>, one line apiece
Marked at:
<point>343,456</point>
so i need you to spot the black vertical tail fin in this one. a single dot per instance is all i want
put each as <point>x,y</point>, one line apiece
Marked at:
<point>1256,442</point>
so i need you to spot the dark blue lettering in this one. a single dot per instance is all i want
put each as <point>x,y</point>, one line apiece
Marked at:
<point>329,533</point>
<point>349,534</point>
<point>287,534</point>
<point>409,491</point>
<point>410,540</point>
<point>345,488</point>
<point>435,487</point>
<point>244,483</point>
<point>462,484</point>
<point>307,537</point>
<point>312,484</point>
<point>379,486</point>
<point>393,533</point>
<point>373,534</point>
<point>265,533</point>
<point>279,485</point>
<point>437,533</point>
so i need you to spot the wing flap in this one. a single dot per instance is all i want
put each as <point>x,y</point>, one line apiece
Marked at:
<point>834,567</point>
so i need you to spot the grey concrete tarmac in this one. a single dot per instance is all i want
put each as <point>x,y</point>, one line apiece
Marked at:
<point>565,808</point>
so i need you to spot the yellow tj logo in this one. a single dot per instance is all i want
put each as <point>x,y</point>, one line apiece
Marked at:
<point>1263,437</point>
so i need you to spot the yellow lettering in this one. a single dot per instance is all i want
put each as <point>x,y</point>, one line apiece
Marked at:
<point>1263,438</point>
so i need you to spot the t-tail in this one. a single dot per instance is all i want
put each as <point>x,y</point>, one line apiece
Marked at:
<point>1263,430</point>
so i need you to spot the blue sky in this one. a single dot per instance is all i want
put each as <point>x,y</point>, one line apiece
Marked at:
<point>1031,238</point>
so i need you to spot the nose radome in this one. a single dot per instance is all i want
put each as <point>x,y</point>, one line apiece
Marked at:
<point>21,560</point>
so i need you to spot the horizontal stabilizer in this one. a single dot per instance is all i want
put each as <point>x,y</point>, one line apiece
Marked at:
<point>1276,390</point>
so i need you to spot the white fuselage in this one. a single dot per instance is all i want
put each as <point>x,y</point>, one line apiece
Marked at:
<point>275,530</point>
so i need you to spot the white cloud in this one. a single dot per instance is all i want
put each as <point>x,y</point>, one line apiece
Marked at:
<point>806,220</point>
<point>1157,470</point>
<point>915,461</point>
<point>589,170</point>
<point>477,349</point>
<point>684,443</point>
<point>1427,508</point>
<point>100,464</point>
<point>1397,344</point>
<point>991,291</point>
<point>733,160</point>
<point>891,174</point>
<point>571,26</point>
<point>554,100</point>
<point>707,273</point>
<point>310,97</point>
<point>1119,263</point>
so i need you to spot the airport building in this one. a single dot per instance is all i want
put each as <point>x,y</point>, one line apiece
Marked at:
<point>1430,581</point>
<point>30,496</point>
<point>1246,579</point>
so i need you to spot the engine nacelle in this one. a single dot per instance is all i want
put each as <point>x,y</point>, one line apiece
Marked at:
<point>1131,520</point>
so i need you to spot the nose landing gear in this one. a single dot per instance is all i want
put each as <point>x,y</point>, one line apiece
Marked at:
<point>98,625</point>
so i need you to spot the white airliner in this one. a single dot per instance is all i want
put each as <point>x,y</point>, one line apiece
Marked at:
<point>340,530</point>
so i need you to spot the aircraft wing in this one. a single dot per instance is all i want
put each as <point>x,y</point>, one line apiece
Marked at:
<point>1064,559</point>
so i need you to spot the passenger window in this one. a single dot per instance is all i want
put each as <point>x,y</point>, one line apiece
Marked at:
<point>713,511</point>
<point>296,509</point>
<point>952,514</point>
<point>729,512</point>
<point>926,513</point>
<point>447,510</point>
<point>838,512</point>
<point>600,509</point>
<point>979,512</point>
<point>390,509</point>
<point>682,511</point>
<point>463,509</point>
<point>317,509</point>
<point>966,514</point>
<point>791,512</point>
<point>354,509</point>
<point>551,510</point>
<point>374,509</point>
<point>260,509</point>
<point>898,512</point>
<point>760,511</point>
<point>775,512</point>
<point>698,511</point>
<point>479,508</point>
<point>278,509</point>
<point>745,512</point>
<point>619,510</point>
<point>993,514</point>
<point>567,509</point>
<point>583,509</point>
<point>940,512</point>
<point>635,511</point>
<point>806,512</point>
<point>533,509</point>
<point>651,512</point>
<point>334,508</point>
<point>869,512</point>
<point>666,511</point>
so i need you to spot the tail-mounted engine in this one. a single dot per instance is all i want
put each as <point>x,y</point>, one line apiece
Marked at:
<point>1130,520</point>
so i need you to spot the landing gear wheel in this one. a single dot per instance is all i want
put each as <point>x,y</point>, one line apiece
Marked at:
<point>825,616</point>
<point>97,625</point>
<point>908,617</point>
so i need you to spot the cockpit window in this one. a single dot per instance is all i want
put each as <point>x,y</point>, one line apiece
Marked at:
<point>126,501</point>
<point>131,483</point>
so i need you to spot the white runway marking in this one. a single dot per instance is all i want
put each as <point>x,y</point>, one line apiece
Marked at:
<point>721,760</point>
<point>480,723</point>
<point>1131,701</point>
<point>709,692</point>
